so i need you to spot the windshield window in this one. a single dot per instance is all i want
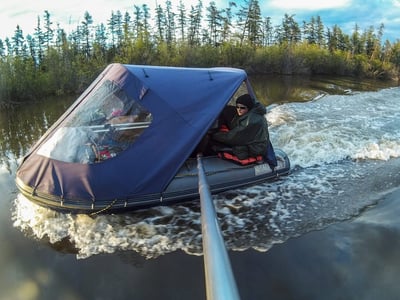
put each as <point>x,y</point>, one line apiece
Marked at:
<point>100,128</point>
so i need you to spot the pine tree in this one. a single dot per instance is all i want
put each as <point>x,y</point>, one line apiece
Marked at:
<point>170,24</point>
<point>182,20</point>
<point>250,23</point>
<point>18,41</point>
<point>48,34</point>
<point>226,30</point>
<point>86,31</point>
<point>40,42</point>
<point>214,20</point>
<point>195,24</point>
<point>160,23</point>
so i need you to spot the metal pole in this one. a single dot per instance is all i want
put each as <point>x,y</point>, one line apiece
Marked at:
<point>220,282</point>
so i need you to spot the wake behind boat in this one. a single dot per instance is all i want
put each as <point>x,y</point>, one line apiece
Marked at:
<point>129,141</point>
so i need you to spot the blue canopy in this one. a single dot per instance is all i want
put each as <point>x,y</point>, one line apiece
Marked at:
<point>180,105</point>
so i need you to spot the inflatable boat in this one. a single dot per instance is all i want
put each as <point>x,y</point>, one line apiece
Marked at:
<point>130,141</point>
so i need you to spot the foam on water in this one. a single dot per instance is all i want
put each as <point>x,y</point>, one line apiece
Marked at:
<point>343,149</point>
<point>359,126</point>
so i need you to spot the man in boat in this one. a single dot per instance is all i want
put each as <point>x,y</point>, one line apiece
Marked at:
<point>246,133</point>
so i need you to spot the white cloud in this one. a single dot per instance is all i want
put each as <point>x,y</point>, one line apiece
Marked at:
<point>69,13</point>
<point>310,4</point>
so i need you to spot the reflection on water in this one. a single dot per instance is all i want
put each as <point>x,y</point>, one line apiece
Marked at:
<point>22,126</point>
<point>275,89</point>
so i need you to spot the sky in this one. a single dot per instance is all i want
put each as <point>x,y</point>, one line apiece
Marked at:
<point>69,13</point>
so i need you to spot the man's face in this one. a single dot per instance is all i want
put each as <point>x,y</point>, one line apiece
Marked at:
<point>241,109</point>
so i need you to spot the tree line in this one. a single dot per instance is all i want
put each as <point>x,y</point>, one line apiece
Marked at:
<point>51,61</point>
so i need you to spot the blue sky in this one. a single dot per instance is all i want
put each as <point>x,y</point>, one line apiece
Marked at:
<point>345,13</point>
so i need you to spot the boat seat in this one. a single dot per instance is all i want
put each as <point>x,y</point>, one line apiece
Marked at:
<point>248,161</point>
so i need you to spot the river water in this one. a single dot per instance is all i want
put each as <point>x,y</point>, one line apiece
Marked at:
<point>330,230</point>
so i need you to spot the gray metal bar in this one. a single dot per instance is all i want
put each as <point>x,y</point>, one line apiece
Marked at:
<point>220,282</point>
<point>119,127</point>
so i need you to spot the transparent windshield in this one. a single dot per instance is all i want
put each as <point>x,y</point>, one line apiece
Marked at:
<point>103,126</point>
